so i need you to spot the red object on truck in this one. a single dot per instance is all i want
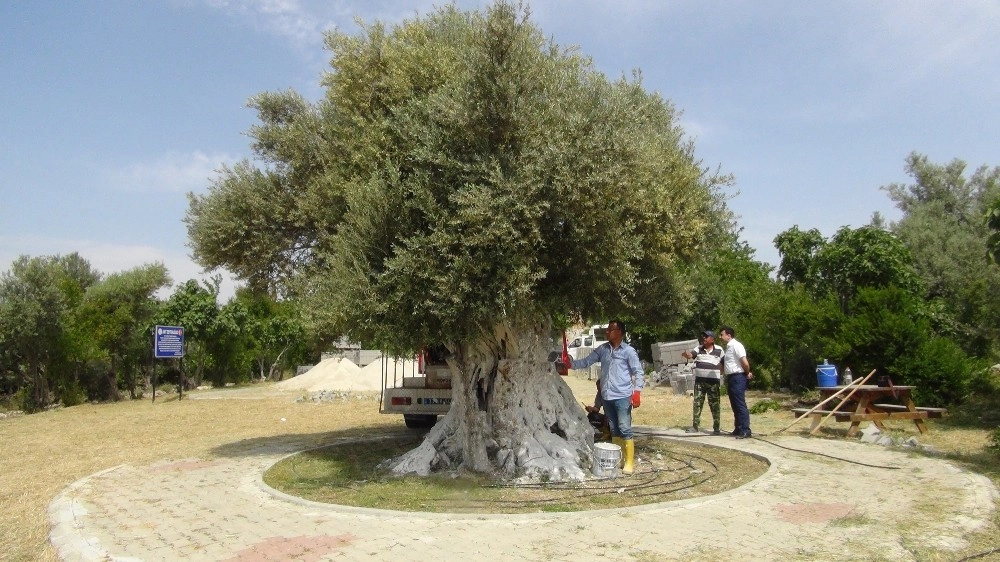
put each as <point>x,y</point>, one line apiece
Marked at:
<point>565,356</point>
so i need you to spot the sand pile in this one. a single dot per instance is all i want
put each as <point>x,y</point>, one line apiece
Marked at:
<point>398,368</point>
<point>334,374</point>
<point>343,375</point>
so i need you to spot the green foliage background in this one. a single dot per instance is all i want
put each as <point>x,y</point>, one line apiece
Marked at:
<point>461,170</point>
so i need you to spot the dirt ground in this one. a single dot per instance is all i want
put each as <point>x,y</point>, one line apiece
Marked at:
<point>42,454</point>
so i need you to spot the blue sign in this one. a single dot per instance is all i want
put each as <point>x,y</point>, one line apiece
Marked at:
<point>168,342</point>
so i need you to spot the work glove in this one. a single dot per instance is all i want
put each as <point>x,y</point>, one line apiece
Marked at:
<point>635,398</point>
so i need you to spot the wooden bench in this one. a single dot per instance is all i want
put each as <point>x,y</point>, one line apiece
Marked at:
<point>889,411</point>
<point>860,403</point>
<point>799,412</point>
<point>931,412</point>
<point>818,415</point>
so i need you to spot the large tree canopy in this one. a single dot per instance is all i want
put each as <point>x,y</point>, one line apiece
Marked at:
<point>465,181</point>
<point>943,226</point>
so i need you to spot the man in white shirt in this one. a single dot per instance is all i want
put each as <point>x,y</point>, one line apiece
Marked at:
<point>738,375</point>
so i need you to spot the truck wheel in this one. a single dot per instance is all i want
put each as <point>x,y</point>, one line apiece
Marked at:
<point>419,421</point>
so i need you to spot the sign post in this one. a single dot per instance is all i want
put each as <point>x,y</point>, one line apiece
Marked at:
<point>168,343</point>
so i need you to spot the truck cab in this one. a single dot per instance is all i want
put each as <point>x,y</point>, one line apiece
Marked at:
<point>592,337</point>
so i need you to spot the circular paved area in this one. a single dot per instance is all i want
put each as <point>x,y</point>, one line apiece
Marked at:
<point>807,506</point>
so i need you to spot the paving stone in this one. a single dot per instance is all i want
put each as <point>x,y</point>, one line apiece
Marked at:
<point>220,509</point>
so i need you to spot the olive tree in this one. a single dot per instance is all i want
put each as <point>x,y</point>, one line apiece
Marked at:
<point>36,297</point>
<point>466,181</point>
<point>943,227</point>
<point>116,314</point>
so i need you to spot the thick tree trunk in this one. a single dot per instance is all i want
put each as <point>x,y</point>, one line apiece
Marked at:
<point>512,417</point>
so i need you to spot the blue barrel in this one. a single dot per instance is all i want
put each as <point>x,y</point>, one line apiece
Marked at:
<point>826,375</point>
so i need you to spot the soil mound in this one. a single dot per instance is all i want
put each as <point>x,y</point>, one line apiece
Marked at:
<point>335,374</point>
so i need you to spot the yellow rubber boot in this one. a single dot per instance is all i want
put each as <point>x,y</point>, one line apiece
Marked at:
<point>629,454</point>
<point>621,443</point>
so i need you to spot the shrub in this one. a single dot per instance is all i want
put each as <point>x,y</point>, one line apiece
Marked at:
<point>941,371</point>
<point>71,394</point>
<point>765,405</point>
<point>29,401</point>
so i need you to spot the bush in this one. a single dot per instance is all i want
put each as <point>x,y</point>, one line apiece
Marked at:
<point>995,440</point>
<point>29,401</point>
<point>941,371</point>
<point>765,405</point>
<point>71,394</point>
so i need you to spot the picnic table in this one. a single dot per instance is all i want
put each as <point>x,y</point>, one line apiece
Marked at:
<point>874,404</point>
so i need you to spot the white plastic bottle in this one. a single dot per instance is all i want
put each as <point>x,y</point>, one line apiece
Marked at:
<point>848,376</point>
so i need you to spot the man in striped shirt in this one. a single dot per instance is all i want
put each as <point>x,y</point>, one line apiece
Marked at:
<point>707,376</point>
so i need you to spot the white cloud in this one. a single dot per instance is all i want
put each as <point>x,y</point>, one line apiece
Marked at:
<point>302,23</point>
<point>171,173</point>
<point>111,258</point>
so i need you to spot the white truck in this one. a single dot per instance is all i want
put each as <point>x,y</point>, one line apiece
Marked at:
<point>420,391</point>
<point>582,345</point>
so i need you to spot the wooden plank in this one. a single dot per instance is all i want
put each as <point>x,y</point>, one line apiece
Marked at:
<point>803,411</point>
<point>931,412</point>
<point>942,411</point>
<point>841,416</point>
<point>908,415</point>
<point>868,416</point>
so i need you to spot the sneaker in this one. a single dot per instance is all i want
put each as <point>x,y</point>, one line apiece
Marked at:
<point>691,430</point>
<point>746,435</point>
<point>716,432</point>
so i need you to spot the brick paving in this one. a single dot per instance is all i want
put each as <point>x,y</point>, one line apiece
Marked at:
<point>811,504</point>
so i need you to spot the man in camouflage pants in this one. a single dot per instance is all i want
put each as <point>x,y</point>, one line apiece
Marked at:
<point>707,378</point>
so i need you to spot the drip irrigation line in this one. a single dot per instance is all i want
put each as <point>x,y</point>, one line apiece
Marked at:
<point>759,438</point>
<point>649,489</point>
<point>825,455</point>
<point>650,485</point>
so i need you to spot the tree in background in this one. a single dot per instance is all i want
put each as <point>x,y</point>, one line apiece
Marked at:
<point>116,315</point>
<point>798,251</point>
<point>943,228</point>
<point>273,339</point>
<point>890,331</point>
<point>822,280</point>
<point>864,257</point>
<point>194,306</point>
<point>727,286</point>
<point>36,295</point>
<point>465,181</point>
<point>992,220</point>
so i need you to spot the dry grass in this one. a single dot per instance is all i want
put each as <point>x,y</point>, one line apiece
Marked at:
<point>43,453</point>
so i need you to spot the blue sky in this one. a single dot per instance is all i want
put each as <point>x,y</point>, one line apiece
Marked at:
<point>111,111</point>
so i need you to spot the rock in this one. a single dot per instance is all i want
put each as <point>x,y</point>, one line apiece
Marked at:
<point>870,434</point>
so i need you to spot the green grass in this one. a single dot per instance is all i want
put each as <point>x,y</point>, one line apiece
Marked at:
<point>350,474</point>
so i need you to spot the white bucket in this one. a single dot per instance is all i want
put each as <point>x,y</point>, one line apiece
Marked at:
<point>606,458</point>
